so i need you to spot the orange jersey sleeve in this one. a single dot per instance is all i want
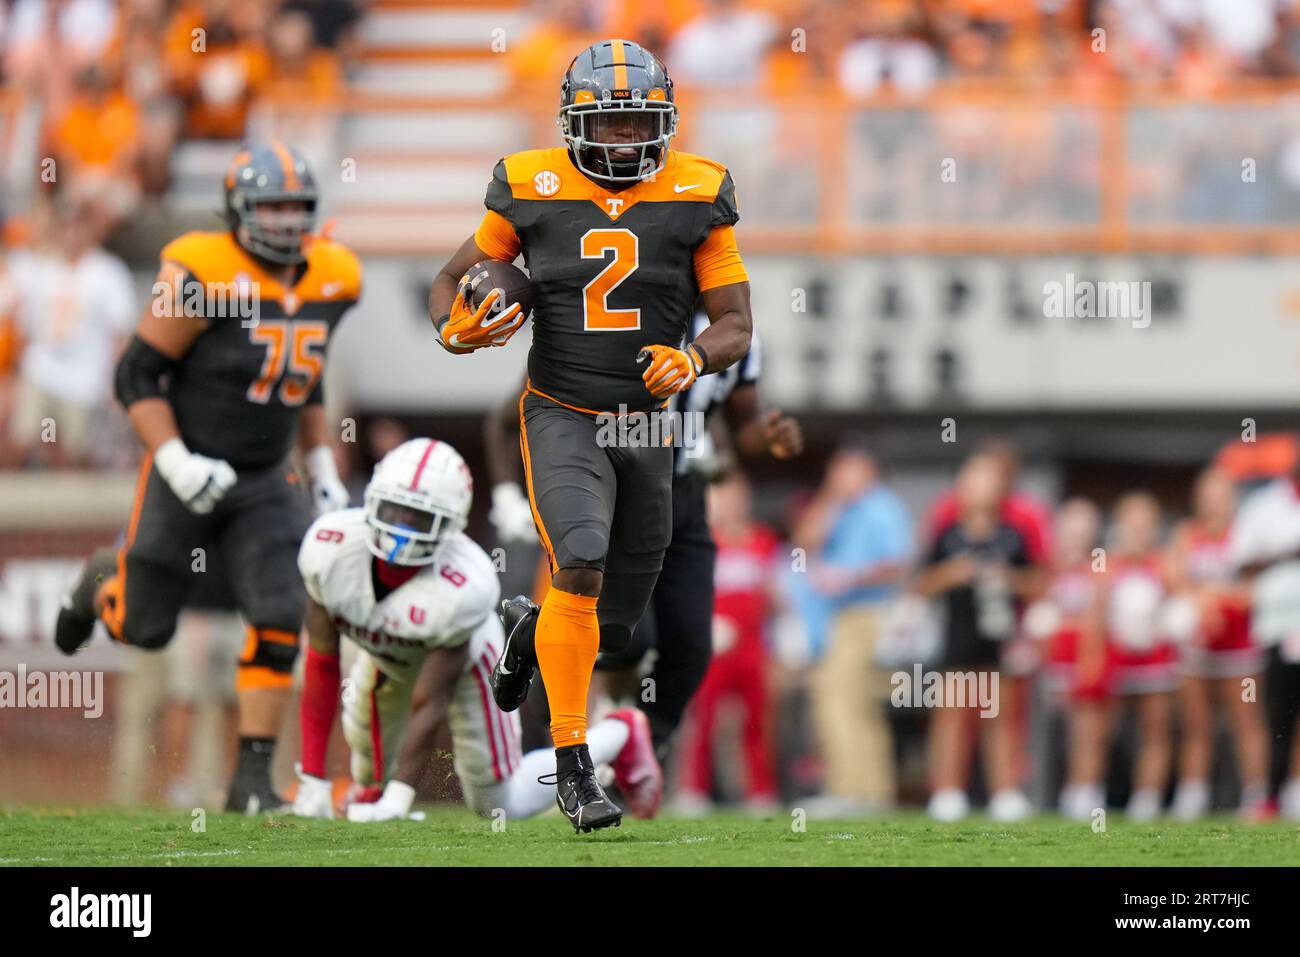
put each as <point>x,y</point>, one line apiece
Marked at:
<point>717,260</point>
<point>496,237</point>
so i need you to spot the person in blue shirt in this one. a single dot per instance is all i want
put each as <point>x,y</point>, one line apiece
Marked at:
<point>857,543</point>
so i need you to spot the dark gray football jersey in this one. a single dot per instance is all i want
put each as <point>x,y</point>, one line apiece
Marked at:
<point>238,390</point>
<point>613,271</point>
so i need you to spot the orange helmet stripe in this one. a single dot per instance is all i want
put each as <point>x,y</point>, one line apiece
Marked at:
<point>286,165</point>
<point>620,64</point>
<point>242,157</point>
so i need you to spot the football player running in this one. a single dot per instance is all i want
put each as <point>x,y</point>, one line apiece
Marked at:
<point>223,372</point>
<point>679,621</point>
<point>621,234</point>
<point>401,579</point>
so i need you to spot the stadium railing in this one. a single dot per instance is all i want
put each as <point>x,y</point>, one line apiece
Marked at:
<point>990,169</point>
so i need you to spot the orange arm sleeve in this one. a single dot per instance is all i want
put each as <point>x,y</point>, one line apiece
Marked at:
<point>496,237</point>
<point>717,260</point>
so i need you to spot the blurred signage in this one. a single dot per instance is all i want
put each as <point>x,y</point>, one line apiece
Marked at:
<point>854,334</point>
<point>1028,334</point>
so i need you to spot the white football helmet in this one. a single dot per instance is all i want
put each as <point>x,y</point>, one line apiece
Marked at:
<point>418,497</point>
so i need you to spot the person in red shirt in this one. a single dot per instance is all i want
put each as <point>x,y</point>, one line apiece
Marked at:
<point>1071,593</point>
<point>1219,654</point>
<point>1129,654</point>
<point>742,579</point>
<point>1030,517</point>
<point>1081,687</point>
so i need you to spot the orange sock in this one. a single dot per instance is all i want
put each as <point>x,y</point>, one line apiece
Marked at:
<point>567,640</point>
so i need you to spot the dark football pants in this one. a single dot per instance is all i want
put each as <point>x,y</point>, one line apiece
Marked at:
<point>255,530</point>
<point>603,500</point>
<point>682,607</point>
<point>1282,698</point>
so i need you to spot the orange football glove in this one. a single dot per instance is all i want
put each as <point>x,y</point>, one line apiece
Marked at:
<point>489,325</point>
<point>669,370</point>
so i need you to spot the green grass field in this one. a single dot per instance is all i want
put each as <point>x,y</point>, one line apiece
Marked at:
<point>452,836</point>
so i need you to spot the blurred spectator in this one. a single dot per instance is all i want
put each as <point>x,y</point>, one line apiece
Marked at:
<point>1071,596</point>
<point>1265,548</point>
<point>741,608</point>
<point>980,568</point>
<point>333,22</point>
<point>146,82</point>
<point>96,140</point>
<point>857,539</point>
<point>1023,511</point>
<point>1062,621</point>
<point>10,339</point>
<point>76,304</point>
<point>807,44</point>
<point>724,47</point>
<point>380,437</point>
<point>1242,29</point>
<point>889,51</point>
<point>47,42</point>
<point>1129,656</point>
<point>218,64</point>
<point>1218,655</point>
<point>649,24</point>
<point>564,29</point>
<point>300,71</point>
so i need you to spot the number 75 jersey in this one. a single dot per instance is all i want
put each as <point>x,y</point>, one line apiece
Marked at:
<point>613,270</point>
<point>236,394</point>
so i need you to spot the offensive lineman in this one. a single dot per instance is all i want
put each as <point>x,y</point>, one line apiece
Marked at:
<point>621,236</point>
<point>402,580</point>
<point>223,369</point>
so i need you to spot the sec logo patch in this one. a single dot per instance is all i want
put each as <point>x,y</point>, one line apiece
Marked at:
<point>546,183</point>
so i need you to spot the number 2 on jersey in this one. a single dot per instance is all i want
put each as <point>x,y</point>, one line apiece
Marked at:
<point>596,313</point>
<point>291,344</point>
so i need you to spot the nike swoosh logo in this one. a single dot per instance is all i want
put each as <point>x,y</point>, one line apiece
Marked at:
<point>682,189</point>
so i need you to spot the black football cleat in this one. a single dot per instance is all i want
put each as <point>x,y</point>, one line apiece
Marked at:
<point>76,621</point>
<point>579,794</point>
<point>251,796</point>
<point>512,675</point>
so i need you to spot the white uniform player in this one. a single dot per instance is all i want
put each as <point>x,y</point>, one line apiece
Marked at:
<point>401,580</point>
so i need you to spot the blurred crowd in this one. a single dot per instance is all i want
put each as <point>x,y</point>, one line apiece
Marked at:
<point>118,84</point>
<point>1006,653</point>
<point>908,46</point>
<point>113,87</point>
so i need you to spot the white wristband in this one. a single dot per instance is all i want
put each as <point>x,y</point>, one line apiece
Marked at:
<point>319,462</point>
<point>169,456</point>
<point>399,794</point>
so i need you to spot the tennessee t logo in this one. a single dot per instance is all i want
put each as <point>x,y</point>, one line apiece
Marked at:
<point>614,205</point>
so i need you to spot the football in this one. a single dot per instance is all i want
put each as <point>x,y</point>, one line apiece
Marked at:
<point>483,277</point>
